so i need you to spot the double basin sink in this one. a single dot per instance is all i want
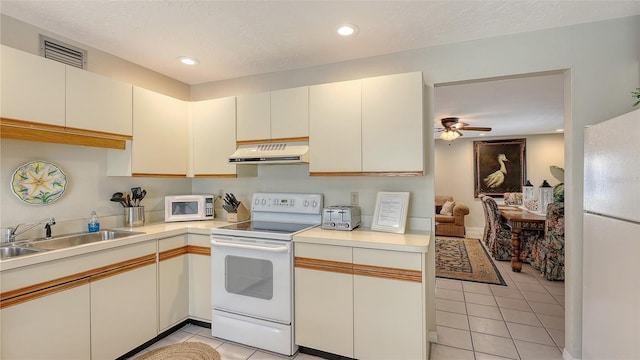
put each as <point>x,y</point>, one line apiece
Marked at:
<point>61,242</point>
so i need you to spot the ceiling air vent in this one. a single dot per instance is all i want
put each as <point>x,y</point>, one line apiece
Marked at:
<point>61,52</point>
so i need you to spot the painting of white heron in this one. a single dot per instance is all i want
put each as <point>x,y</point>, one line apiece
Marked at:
<point>500,166</point>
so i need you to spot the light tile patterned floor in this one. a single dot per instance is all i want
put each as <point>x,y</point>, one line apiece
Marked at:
<point>523,320</point>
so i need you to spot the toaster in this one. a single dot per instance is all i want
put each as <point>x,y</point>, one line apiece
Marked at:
<point>341,217</point>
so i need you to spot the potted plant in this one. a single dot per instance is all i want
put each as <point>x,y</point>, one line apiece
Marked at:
<point>636,95</point>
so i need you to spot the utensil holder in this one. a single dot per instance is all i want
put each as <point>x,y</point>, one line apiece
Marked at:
<point>241,214</point>
<point>134,216</point>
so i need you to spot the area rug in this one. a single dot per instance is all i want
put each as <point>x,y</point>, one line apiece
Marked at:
<point>465,259</point>
<point>184,350</point>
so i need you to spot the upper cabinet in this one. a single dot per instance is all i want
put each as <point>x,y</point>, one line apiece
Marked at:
<point>97,103</point>
<point>335,136</point>
<point>52,102</point>
<point>281,115</point>
<point>213,139</point>
<point>160,129</point>
<point>372,126</point>
<point>392,124</point>
<point>254,117</point>
<point>290,114</point>
<point>33,88</point>
<point>159,146</point>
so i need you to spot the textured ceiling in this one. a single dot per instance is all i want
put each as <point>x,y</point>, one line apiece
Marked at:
<point>242,38</point>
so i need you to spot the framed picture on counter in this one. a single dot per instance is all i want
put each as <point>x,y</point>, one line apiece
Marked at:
<point>391,212</point>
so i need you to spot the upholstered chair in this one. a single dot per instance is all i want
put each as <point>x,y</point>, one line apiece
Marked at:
<point>551,257</point>
<point>487,221</point>
<point>500,236</point>
<point>512,198</point>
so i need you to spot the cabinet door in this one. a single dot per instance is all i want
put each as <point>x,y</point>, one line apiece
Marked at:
<point>389,312</point>
<point>392,123</point>
<point>200,277</point>
<point>214,129</point>
<point>98,103</point>
<point>173,281</point>
<point>335,127</point>
<point>290,113</point>
<point>32,88</point>
<point>34,329</point>
<point>160,128</point>
<point>324,299</point>
<point>254,117</point>
<point>124,312</point>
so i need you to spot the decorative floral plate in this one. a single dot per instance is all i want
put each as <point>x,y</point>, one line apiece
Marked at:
<point>38,182</point>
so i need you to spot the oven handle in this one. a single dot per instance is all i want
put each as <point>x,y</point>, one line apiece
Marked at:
<point>278,249</point>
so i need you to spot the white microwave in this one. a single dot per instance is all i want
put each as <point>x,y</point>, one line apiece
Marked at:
<point>188,207</point>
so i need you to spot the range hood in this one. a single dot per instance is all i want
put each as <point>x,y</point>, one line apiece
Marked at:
<point>281,153</point>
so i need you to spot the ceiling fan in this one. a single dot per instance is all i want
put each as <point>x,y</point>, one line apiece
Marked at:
<point>451,127</point>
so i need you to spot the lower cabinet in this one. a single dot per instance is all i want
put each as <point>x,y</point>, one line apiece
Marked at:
<point>200,277</point>
<point>173,281</point>
<point>360,303</point>
<point>33,329</point>
<point>123,312</point>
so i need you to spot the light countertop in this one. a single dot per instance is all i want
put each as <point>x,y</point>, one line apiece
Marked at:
<point>366,238</point>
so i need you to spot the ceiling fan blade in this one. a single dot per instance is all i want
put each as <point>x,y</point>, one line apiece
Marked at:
<point>475,128</point>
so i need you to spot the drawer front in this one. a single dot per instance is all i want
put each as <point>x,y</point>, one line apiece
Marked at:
<point>323,252</point>
<point>388,259</point>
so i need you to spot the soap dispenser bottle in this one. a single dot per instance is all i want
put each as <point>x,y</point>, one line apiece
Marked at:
<point>94,225</point>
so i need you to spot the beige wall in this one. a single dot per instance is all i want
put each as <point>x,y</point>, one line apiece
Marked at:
<point>25,37</point>
<point>454,168</point>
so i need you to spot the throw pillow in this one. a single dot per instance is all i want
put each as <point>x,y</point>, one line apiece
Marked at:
<point>447,208</point>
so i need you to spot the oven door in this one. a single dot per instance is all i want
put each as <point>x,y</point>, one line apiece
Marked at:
<point>252,277</point>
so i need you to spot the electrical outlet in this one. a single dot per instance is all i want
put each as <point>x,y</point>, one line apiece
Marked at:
<point>355,198</point>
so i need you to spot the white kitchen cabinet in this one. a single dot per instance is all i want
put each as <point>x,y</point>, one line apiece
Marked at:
<point>372,126</point>
<point>160,135</point>
<point>124,310</point>
<point>388,311</point>
<point>213,139</point>
<point>254,117</point>
<point>200,277</point>
<point>173,281</point>
<point>335,137</point>
<point>55,326</point>
<point>32,87</point>
<point>392,123</point>
<point>97,103</point>
<point>360,303</point>
<point>281,115</point>
<point>290,113</point>
<point>324,299</point>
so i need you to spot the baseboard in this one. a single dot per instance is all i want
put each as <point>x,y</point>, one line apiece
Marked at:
<point>475,232</point>
<point>567,356</point>
<point>433,337</point>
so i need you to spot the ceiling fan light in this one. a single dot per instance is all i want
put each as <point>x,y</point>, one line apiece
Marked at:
<point>448,135</point>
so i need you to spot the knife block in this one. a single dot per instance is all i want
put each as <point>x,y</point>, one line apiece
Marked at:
<point>241,214</point>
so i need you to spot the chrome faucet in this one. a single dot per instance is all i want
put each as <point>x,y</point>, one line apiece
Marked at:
<point>12,232</point>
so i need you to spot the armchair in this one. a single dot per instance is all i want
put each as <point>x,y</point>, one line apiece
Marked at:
<point>450,225</point>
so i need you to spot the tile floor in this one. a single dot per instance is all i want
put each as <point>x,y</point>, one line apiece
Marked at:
<point>227,350</point>
<point>523,320</point>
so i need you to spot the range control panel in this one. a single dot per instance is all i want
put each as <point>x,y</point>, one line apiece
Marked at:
<point>287,203</point>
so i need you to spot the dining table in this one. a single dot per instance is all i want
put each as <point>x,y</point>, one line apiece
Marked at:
<point>518,219</point>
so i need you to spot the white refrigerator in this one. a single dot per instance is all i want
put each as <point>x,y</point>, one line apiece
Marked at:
<point>611,262</point>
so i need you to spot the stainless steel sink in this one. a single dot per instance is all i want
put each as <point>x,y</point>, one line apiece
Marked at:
<point>14,251</point>
<point>81,239</point>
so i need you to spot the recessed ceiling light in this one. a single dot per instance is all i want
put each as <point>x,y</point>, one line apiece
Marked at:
<point>188,60</point>
<point>559,130</point>
<point>348,30</point>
